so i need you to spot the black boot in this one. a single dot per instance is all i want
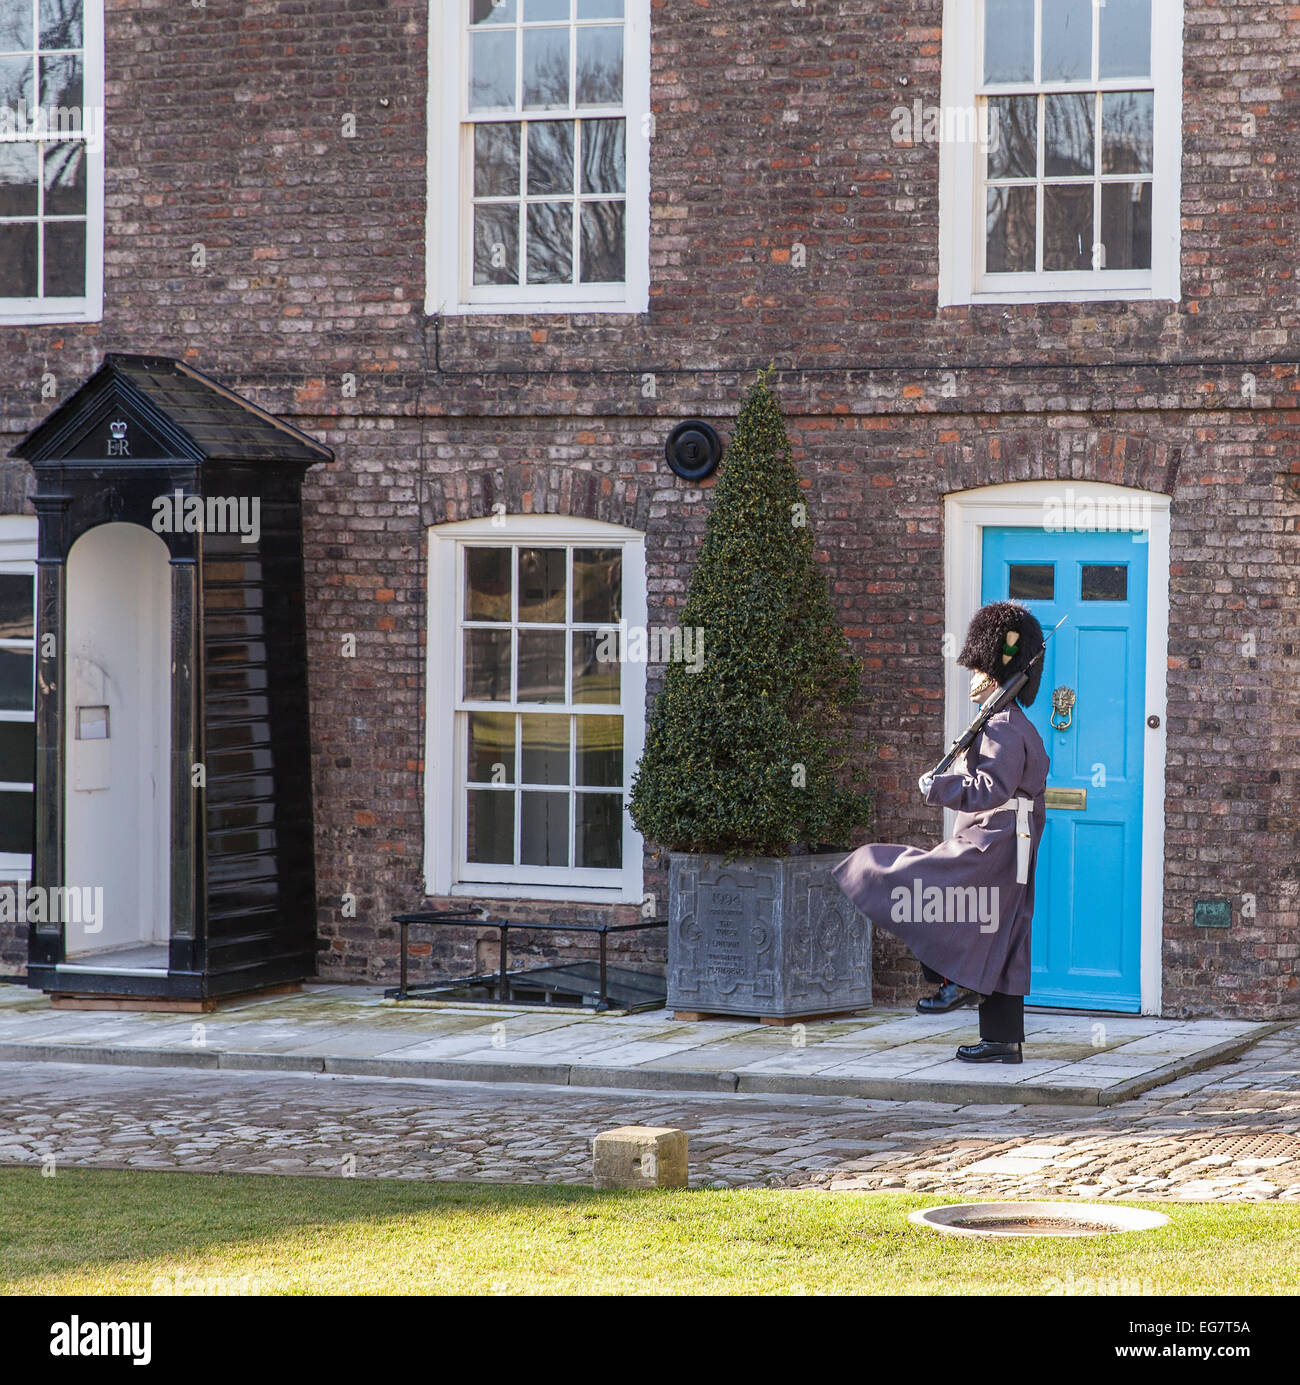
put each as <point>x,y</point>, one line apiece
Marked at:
<point>949,996</point>
<point>989,1051</point>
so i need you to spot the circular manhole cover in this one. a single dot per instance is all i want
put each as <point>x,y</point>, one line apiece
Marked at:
<point>1036,1219</point>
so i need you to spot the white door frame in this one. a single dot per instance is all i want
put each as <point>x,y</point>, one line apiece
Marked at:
<point>1074,506</point>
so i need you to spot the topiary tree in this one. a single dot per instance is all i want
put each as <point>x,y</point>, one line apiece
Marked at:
<point>752,755</point>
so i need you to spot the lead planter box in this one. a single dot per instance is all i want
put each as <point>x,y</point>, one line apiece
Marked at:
<point>764,936</point>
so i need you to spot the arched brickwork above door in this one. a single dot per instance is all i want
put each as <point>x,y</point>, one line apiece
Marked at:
<point>528,488</point>
<point>1003,452</point>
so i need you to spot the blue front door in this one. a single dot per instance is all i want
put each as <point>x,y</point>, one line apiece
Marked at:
<point>1087,897</point>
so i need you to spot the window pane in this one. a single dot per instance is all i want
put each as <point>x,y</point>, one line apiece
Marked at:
<point>1013,137</point>
<point>1011,227</point>
<point>65,178</point>
<point>65,259</point>
<point>491,69</point>
<point>1067,228</point>
<point>596,679</point>
<point>600,66</point>
<point>1127,131</point>
<point>550,243</point>
<point>18,752</point>
<point>597,585</point>
<point>1069,136</point>
<point>603,235</point>
<point>598,840</point>
<point>600,9</point>
<point>18,166</point>
<point>1067,40</point>
<point>546,67</point>
<point>15,27</point>
<point>541,666</point>
<point>487,583</point>
<point>487,665</point>
<point>1031,582</point>
<point>16,82</point>
<point>600,751</point>
<point>496,244</point>
<point>496,160</point>
<point>550,156</point>
<point>1125,48</point>
<point>490,826</point>
<point>544,750</point>
<point>492,12</point>
<point>60,23</point>
<point>545,9</point>
<point>17,618</point>
<point>604,166</point>
<point>61,87</point>
<point>1009,41</point>
<point>16,680</point>
<point>1104,582</point>
<point>491,751</point>
<point>1126,225</point>
<point>541,585</point>
<point>17,822</point>
<point>544,838</point>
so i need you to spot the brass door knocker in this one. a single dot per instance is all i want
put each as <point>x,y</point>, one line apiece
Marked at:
<point>1062,706</point>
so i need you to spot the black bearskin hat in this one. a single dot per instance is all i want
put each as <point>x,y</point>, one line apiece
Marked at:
<point>988,650</point>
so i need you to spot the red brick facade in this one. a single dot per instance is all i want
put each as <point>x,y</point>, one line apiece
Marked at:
<point>772,126</point>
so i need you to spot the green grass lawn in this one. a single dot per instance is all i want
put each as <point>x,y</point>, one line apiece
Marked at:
<point>99,1231</point>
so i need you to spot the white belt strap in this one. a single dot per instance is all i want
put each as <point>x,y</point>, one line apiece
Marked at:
<point>1022,808</point>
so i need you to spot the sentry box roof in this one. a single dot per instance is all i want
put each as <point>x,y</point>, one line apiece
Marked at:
<point>174,413</point>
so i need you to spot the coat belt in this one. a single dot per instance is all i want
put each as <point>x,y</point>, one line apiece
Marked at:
<point>1022,807</point>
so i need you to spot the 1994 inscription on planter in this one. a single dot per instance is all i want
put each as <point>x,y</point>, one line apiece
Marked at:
<point>765,936</point>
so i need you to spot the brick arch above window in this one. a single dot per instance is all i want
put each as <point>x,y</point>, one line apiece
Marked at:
<point>1114,456</point>
<point>529,488</point>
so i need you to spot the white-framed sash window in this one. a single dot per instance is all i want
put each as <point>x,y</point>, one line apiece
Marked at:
<point>536,721</point>
<point>538,156</point>
<point>17,694</point>
<point>1061,150</point>
<point>51,161</point>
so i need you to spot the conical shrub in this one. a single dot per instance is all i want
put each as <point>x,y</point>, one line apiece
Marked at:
<point>753,753</point>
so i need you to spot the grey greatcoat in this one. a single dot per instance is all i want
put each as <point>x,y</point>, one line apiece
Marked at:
<point>959,906</point>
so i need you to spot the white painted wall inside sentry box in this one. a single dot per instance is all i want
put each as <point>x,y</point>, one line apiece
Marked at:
<point>117,790</point>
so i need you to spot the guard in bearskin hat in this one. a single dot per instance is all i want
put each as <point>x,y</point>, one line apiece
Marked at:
<point>965,907</point>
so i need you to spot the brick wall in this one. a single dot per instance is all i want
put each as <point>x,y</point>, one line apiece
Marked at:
<point>772,127</point>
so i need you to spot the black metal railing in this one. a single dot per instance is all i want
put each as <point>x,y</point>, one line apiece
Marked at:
<point>552,978</point>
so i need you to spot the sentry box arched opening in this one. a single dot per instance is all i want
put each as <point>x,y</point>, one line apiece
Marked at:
<point>173,855</point>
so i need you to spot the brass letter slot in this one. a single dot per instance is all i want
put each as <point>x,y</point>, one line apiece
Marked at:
<point>1067,798</point>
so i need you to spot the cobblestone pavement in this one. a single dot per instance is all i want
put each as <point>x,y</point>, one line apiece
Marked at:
<point>1229,1133</point>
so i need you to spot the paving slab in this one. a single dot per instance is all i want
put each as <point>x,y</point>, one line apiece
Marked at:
<point>1071,1059</point>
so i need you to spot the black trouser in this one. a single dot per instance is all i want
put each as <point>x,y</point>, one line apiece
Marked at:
<point>1002,1017</point>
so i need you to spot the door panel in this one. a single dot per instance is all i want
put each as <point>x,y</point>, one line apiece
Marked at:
<point>1087,903</point>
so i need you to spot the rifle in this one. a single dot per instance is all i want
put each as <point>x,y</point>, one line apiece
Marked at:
<point>1004,696</point>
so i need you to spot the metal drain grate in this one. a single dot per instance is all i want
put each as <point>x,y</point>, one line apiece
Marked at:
<point>1249,1146</point>
<point>1034,1226</point>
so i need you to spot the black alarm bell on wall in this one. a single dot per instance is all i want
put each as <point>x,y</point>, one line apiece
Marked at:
<point>693,449</point>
